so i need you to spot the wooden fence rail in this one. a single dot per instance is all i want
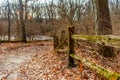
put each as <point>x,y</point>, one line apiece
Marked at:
<point>107,40</point>
<point>108,74</point>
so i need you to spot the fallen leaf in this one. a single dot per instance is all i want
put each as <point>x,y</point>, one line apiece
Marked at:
<point>81,67</point>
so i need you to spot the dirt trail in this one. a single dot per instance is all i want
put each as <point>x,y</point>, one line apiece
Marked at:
<point>12,61</point>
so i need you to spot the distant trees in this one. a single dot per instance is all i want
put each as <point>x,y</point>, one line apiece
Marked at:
<point>117,6</point>
<point>31,17</point>
<point>68,9</point>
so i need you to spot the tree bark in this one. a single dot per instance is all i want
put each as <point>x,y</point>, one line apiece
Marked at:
<point>22,24</point>
<point>103,24</point>
<point>8,20</point>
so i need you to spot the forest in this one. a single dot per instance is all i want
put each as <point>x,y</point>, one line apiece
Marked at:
<point>59,39</point>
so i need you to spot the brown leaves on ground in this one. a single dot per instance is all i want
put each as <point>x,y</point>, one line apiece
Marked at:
<point>44,64</point>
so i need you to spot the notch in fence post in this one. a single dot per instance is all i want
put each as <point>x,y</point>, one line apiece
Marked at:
<point>70,46</point>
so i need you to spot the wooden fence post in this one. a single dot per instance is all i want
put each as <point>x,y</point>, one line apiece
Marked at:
<point>55,42</point>
<point>70,46</point>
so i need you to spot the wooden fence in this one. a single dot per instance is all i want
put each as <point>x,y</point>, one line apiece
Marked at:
<point>108,40</point>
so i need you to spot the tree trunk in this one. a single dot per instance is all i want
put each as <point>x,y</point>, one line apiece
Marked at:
<point>22,24</point>
<point>8,20</point>
<point>103,24</point>
<point>117,5</point>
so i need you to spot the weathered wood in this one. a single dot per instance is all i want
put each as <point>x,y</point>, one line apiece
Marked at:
<point>62,50</point>
<point>108,74</point>
<point>62,42</point>
<point>55,41</point>
<point>62,39</point>
<point>70,46</point>
<point>108,40</point>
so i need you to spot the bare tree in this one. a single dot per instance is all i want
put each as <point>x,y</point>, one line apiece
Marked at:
<point>8,20</point>
<point>68,9</point>
<point>117,5</point>
<point>22,24</point>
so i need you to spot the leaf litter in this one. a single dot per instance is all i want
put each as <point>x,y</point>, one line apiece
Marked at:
<point>39,62</point>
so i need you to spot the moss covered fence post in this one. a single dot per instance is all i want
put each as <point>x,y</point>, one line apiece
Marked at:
<point>70,46</point>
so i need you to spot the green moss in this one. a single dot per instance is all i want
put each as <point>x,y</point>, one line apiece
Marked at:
<point>100,39</point>
<point>104,72</point>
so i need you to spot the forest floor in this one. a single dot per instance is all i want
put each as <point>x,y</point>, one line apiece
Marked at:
<point>37,61</point>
